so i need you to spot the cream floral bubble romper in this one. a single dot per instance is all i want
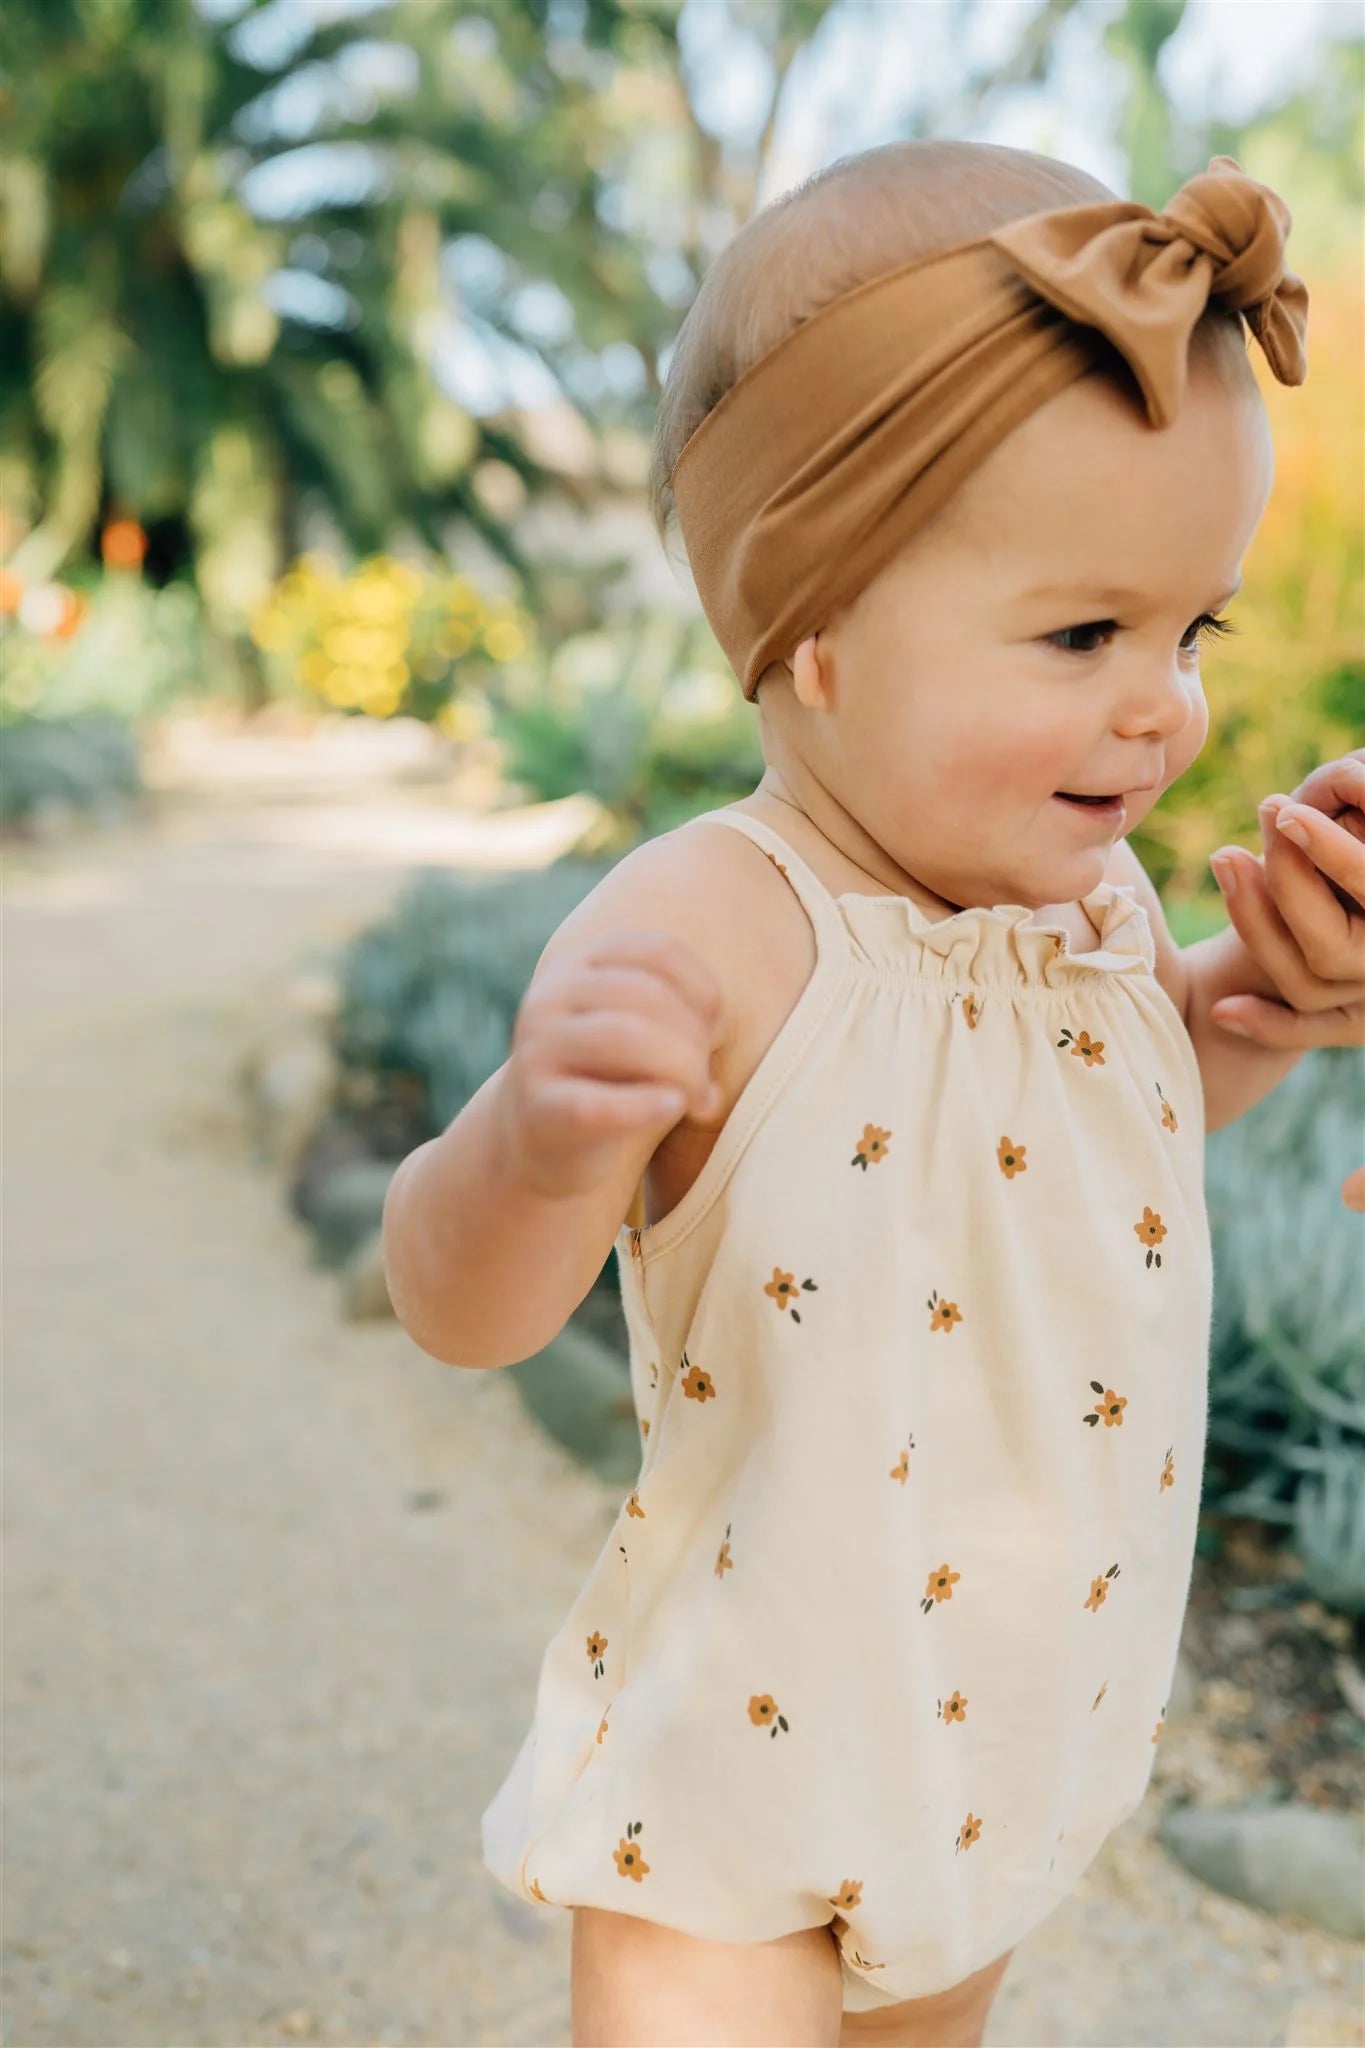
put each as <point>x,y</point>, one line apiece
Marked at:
<point>883,1636</point>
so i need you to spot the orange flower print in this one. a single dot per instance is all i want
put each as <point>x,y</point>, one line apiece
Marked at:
<point>629,1862</point>
<point>633,1506</point>
<point>1099,1695</point>
<point>763,1713</point>
<point>970,1832</point>
<point>536,1893</point>
<point>872,1147</point>
<point>1167,1113</point>
<point>1084,1047</point>
<point>954,1709</point>
<point>1160,1727</point>
<point>776,863</point>
<point>697,1385</point>
<point>901,1469</point>
<point>861,1962</point>
<point>971,1010</point>
<point>938,1586</point>
<point>782,1287</point>
<point>1167,1473</point>
<point>849,1895</point>
<point>943,1314</point>
<point>1109,1407</point>
<point>1151,1230</point>
<point>596,1645</point>
<point>1011,1158</point>
<point>724,1562</point>
<point>1099,1589</point>
<point>602,1725</point>
<point>644,1426</point>
<point>635,1250</point>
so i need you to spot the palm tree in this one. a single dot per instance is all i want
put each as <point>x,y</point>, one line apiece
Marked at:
<point>226,289</point>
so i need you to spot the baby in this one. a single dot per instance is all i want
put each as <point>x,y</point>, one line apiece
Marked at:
<point>910,1085</point>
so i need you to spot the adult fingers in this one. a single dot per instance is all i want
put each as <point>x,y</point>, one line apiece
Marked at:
<point>1285,1030</point>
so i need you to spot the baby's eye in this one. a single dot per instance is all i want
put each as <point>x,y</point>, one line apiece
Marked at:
<point>1205,623</point>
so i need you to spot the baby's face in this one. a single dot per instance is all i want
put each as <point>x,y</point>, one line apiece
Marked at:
<point>1042,636</point>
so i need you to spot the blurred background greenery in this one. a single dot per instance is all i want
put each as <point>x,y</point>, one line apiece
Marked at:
<point>332,332</point>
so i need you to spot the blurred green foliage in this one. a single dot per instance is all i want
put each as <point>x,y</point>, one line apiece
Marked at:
<point>226,236</point>
<point>1287,1395</point>
<point>87,762</point>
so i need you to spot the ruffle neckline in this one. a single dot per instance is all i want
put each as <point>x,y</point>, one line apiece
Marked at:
<point>984,944</point>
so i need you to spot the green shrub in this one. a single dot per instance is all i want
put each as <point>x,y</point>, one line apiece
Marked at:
<point>81,761</point>
<point>434,989</point>
<point>1287,1395</point>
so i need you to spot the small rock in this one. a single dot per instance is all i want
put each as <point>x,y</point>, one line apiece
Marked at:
<point>313,996</point>
<point>293,1084</point>
<point>1350,1684</point>
<point>1282,1859</point>
<point>364,1285</point>
<point>1238,1633</point>
<point>333,1144</point>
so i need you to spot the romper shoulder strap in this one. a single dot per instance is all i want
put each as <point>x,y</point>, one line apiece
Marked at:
<point>820,906</point>
<point>833,949</point>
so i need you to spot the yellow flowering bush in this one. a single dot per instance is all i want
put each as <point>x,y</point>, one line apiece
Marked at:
<point>385,637</point>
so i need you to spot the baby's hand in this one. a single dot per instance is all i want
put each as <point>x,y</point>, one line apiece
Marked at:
<point>608,1044</point>
<point>1301,913</point>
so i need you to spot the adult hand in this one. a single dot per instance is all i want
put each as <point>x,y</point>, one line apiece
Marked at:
<point>1299,910</point>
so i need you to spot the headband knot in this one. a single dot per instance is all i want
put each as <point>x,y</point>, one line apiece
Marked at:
<point>843,441</point>
<point>1144,278</point>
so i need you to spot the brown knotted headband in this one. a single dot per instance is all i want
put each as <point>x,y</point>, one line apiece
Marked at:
<point>834,449</point>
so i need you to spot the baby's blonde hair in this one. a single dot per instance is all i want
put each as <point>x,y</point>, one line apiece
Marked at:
<point>855,220</point>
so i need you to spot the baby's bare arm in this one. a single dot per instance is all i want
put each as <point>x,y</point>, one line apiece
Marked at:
<point>494,1231</point>
<point>482,1269</point>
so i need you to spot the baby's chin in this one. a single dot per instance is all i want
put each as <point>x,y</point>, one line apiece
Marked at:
<point>1047,882</point>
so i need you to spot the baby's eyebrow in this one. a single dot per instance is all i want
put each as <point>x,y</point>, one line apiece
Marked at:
<point>1112,593</point>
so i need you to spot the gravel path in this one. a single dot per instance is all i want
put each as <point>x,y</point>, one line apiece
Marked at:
<point>276,1586</point>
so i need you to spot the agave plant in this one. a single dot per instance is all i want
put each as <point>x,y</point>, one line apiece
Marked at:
<point>1287,1407</point>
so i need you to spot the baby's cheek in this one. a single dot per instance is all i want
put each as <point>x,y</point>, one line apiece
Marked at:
<point>1184,747</point>
<point>1029,755</point>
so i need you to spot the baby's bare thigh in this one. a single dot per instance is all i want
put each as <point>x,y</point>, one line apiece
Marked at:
<point>638,1985</point>
<point>950,2019</point>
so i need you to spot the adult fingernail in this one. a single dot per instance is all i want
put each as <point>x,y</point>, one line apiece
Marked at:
<point>1225,874</point>
<point>1231,1024</point>
<point>1269,805</point>
<point>1292,829</point>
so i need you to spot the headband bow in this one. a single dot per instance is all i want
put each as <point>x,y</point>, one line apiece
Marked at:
<point>841,443</point>
<point>1144,278</point>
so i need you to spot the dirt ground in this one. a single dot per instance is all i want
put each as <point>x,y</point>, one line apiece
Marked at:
<point>276,1586</point>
